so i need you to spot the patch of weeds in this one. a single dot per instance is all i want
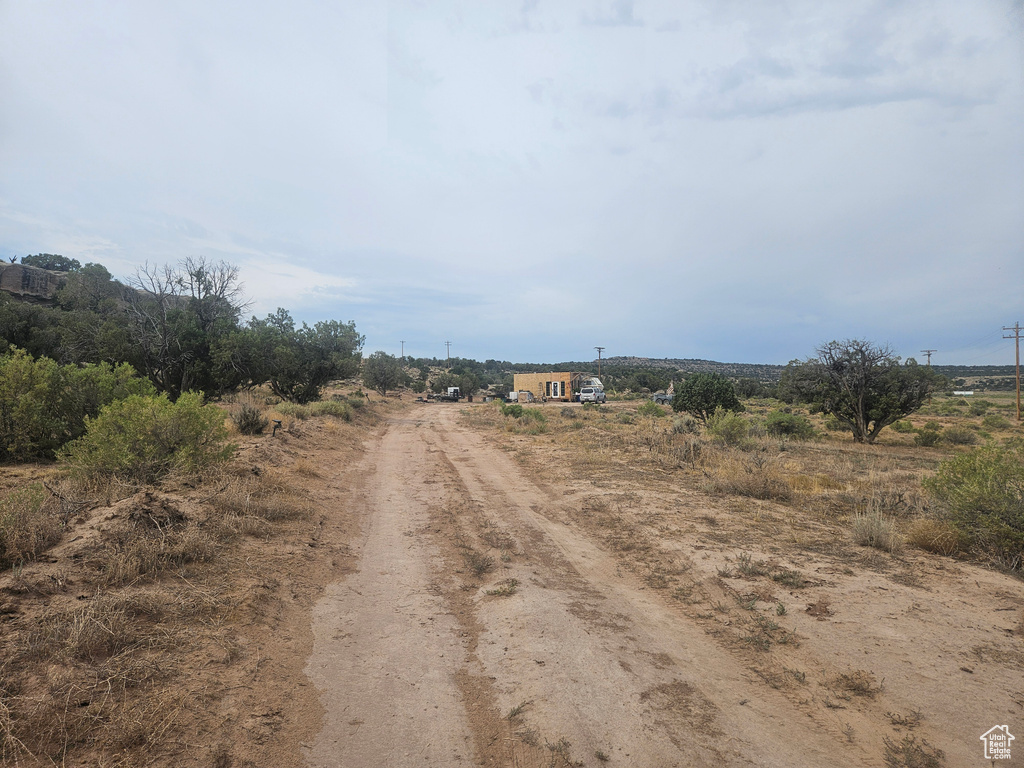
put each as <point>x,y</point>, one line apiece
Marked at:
<point>910,721</point>
<point>518,710</point>
<point>790,578</point>
<point>601,756</point>
<point>507,588</point>
<point>477,562</point>
<point>911,753</point>
<point>747,602</point>
<point>561,754</point>
<point>748,567</point>
<point>857,683</point>
<point>796,674</point>
<point>780,609</point>
<point>758,641</point>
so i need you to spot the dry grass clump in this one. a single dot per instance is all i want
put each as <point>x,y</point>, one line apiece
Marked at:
<point>935,535</point>
<point>873,529</point>
<point>748,474</point>
<point>256,494</point>
<point>141,552</point>
<point>30,523</point>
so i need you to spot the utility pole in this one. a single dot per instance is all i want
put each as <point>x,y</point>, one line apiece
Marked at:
<point>403,349</point>
<point>448,349</point>
<point>929,353</point>
<point>1016,338</point>
<point>599,351</point>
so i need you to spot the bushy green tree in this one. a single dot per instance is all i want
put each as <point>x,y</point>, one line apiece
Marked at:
<point>296,362</point>
<point>43,405</point>
<point>862,385</point>
<point>702,394</point>
<point>175,317</point>
<point>52,261</point>
<point>382,372</point>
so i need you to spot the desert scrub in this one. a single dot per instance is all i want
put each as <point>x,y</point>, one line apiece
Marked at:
<point>927,437</point>
<point>29,525</point>
<point>250,420</point>
<point>515,410</point>
<point>984,491</point>
<point>873,529</point>
<point>959,436</point>
<point>728,427</point>
<point>336,408</point>
<point>650,408</point>
<point>142,439</point>
<point>779,423</point>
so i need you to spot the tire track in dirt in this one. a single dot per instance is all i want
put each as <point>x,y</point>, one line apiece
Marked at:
<point>386,650</point>
<point>620,672</point>
<point>416,663</point>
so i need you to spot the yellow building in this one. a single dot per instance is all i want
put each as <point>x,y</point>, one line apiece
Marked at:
<point>548,386</point>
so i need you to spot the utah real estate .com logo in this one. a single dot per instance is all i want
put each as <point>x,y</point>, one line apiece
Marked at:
<point>997,742</point>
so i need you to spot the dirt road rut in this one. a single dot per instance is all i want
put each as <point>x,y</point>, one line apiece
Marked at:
<point>481,629</point>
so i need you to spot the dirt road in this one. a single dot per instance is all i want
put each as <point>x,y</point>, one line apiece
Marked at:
<point>482,629</point>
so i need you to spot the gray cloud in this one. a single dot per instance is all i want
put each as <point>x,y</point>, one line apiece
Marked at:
<point>729,180</point>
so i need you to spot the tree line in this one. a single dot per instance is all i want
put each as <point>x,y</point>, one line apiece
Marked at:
<point>181,327</point>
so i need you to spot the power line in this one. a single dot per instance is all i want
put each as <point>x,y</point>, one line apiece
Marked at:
<point>929,353</point>
<point>599,351</point>
<point>1016,338</point>
<point>448,349</point>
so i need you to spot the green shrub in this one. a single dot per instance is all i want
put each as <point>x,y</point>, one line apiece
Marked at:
<point>29,524</point>
<point>342,410</point>
<point>250,420</point>
<point>984,490</point>
<point>44,405</point>
<point>995,421</point>
<point>728,426</point>
<point>932,426</point>
<point>979,407</point>
<point>515,410</point>
<point>927,438</point>
<point>535,415</point>
<point>145,438</point>
<point>294,410</point>
<point>779,423</point>
<point>904,426</point>
<point>959,436</point>
<point>650,408</point>
<point>685,425</point>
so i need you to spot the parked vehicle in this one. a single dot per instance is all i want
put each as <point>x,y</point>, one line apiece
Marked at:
<point>451,396</point>
<point>592,395</point>
<point>661,398</point>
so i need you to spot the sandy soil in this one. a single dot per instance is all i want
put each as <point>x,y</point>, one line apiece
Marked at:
<point>458,595</point>
<point>492,620</point>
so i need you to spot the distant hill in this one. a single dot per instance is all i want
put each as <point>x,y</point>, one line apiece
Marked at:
<point>759,371</point>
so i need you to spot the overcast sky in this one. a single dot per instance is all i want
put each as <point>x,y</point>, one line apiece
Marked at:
<point>731,180</point>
